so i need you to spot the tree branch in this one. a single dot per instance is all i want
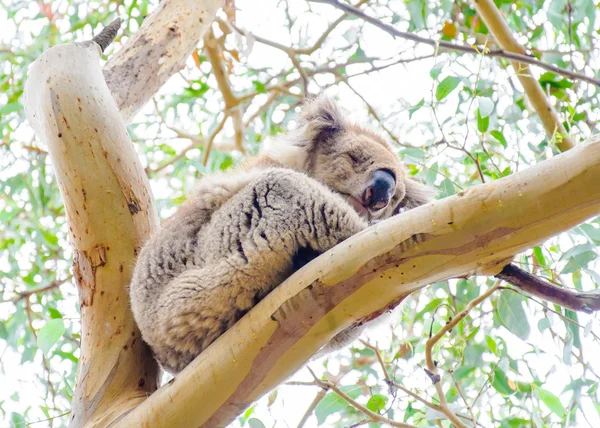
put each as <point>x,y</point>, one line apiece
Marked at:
<point>454,47</point>
<point>25,294</point>
<point>157,51</point>
<point>370,273</point>
<point>375,417</point>
<point>533,90</point>
<point>110,211</point>
<point>575,301</point>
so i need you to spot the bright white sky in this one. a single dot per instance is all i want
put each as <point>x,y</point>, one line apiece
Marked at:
<point>389,91</point>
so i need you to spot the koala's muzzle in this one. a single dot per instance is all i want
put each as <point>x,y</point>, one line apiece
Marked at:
<point>380,189</point>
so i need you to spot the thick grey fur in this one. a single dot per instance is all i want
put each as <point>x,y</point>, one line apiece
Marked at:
<point>239,237</point>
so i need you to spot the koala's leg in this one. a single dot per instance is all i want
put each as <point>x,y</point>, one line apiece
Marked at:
<point>248,248</point>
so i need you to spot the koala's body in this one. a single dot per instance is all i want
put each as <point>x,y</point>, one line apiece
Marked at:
<point>246,231</point>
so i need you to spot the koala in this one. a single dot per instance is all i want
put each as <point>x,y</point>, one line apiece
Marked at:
<point>247,230</point>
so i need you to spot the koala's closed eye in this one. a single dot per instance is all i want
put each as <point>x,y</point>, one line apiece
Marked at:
<point>354,157</point>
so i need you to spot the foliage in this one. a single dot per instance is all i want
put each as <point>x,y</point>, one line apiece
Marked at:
<point>456,120</point>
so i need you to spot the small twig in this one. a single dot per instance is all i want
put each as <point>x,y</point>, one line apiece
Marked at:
<point>48,419</point>
<point>375,417</point>
<point>388,380</point>
<point>320,395</point>
<point>575,301</point>
<point>432,367</point>
<point>21,295</point>
<point>108,34</point>
<point>211,139</point>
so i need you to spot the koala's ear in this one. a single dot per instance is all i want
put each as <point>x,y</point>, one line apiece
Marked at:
<point>319,120</point>
<point>417,194</point>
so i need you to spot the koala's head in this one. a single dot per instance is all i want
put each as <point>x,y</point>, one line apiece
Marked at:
<point>353,161</point>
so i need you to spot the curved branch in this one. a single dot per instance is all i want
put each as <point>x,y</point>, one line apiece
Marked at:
<point>576,301</point>
<point>370,273</point>
<point>110,211</point>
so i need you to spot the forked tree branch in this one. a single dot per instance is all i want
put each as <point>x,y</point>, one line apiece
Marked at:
<point>109,206</point>
<point>372,272</point>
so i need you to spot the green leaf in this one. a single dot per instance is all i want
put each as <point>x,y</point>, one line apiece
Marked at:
<point>539,256</point>
<point>500,137</point>
<point>486,106</point>
<point>333,403</point>
<point>17,420</point>
<point>437,69</point>
<point>377,402</point>
<point>501,383</point>
<point>255,423</point>
<point>579,261</point>
<point>446,188</point>
<point>552,402</point>
<point>482,122</point>
<point>416,107</point>
<point>49,334</point>
<point>259,86</point>
<point>512,315</point>
<point>445,87</point>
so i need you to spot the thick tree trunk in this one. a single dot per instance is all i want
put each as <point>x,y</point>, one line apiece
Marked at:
<point>475,231</point>
<point>109,206</point>
<point>110,211</point>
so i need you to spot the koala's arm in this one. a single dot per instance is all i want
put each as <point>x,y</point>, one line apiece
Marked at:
<point>245,249</point>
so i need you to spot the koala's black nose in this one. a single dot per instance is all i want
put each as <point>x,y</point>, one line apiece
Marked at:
<point>379,189</point>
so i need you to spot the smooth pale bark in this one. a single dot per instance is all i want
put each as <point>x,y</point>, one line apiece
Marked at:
<point>110,211</point>
<point>109,206</point>
<point>157,51</point>
<point>533,90</point>
<point>475,231</point>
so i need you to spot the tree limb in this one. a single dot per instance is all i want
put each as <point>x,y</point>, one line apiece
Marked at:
<point>157,51</point>
<point>370,273</point>
<point>110,212</point>
<point>533,90</point>
<point>455,47</point>
<point>576,301</point>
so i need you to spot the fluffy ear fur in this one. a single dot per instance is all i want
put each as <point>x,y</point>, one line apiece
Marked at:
<point>417,194</point>
<point>319,119</point>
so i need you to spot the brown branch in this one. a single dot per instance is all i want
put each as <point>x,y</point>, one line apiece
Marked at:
<point>233,106</point>
<point>432,367</point>
<point>375,417</point>
<point>313,405</point>
<point>211,139</point>
<point>533,90</point>
<point>576,301</point>
<point>25,294</point>
<point>444,410</point>
<point>454,47</point>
